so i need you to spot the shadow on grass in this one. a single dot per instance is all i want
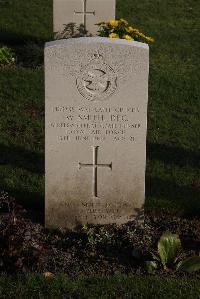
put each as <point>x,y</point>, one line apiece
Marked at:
<point>185,197</point>
<point>21,158</point>
<point>33,162</point>
<point>11,38</point>
<point>29,50</point>
<point>173,155</point>
<point>33,202</point>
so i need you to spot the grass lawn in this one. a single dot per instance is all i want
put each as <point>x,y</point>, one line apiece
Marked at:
<point>36,286</point>
<point>173,141</point>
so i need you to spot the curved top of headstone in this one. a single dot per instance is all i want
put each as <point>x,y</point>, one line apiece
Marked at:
<point>75,56</point>
<point>102,40</point>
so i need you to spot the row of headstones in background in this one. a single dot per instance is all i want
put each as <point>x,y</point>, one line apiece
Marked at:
<point>96,122</point>
<point>86,12</point>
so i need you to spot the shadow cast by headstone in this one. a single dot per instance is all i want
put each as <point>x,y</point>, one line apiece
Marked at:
<point>24,197</point>
<point>187,198</point>
<point>173,155</point>
<point>29,50</point>
<point>12,38</point>
<point>16,157</point>
<point>22,158</point>
<point>32,202</point>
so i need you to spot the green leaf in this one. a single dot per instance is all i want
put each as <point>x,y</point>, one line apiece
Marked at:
<point>6,55</point>
<point>150,266</point>
<point>169,246</point>
<point>190,264</point>
<point>155,257</point>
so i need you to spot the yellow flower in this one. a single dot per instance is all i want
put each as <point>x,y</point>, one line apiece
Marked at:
<point>128,37</point>
<point>141,34</point>
<point>149,39</point>
<point>113,35</point>
<point>124,22</point>
<point>131,30</point>
<point>113,23</point>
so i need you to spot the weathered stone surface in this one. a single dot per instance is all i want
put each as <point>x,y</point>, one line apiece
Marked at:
<point>72,11</point>
<point>96,119</point>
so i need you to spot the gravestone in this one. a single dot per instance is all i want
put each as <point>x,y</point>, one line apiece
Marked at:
<point>96,122</point>
<point>86,12</point>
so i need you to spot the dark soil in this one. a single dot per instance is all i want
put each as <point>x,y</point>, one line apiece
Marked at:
<point>27,246</point>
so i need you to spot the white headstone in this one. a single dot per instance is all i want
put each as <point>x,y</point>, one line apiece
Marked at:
<point>86,12</point>
<point>96,122</point>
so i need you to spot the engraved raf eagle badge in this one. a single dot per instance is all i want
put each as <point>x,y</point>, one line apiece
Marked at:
<point>97,80</point>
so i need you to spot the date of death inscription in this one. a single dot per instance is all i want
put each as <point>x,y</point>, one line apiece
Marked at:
<point>100,124</point>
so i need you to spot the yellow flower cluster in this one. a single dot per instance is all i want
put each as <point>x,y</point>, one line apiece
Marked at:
<point>121,29</point>
<point>113,23</point>
<point>131,30</point>
<point>113,35</point>
<point>127,37</point>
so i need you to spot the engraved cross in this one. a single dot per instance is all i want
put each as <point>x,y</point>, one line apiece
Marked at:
<point>95,166</point>
<point>84,13</point>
